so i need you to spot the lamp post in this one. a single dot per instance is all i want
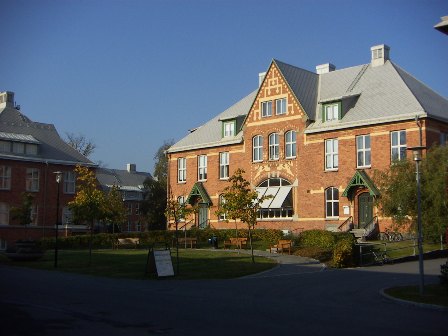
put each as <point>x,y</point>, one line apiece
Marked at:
<point>417,157</point>
<point>58,181</point>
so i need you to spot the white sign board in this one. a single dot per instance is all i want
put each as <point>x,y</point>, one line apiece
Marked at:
<point>164,265</point>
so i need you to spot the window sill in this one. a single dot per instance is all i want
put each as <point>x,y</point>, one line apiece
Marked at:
<point>291,158</point>
<point>332,170</point>
<point>181,182</point>
<point>363,167</point>
<point>224,178</point>
<point>260,161</point>
<point>331,218</point>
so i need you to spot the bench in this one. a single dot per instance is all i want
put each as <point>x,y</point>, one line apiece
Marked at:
<point>192,242</point>
<point>282,246</point>
<point>237,242</point>
<point>128,242</point>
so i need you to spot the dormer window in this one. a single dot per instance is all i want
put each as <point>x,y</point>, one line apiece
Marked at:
<point>332,111</point>
<point>229,129</point>
<point>266,108</point>
<point>280,106</point>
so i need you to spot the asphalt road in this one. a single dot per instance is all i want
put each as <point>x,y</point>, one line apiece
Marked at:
<point>293,299</point>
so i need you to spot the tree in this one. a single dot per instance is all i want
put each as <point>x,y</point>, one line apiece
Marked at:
<point>80,143</point>
<point>398,198</point>
<point>241,202</point>
<point>89,202</point>
<point>161,162</point>
<point>114,208</point>
<point>177,212</point>
<point>23,213</point>
<point>154,204</point>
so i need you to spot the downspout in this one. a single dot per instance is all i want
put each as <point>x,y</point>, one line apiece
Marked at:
<point>168,157</point>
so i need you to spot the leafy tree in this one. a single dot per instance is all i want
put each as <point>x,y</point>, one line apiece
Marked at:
<point>89,202</point>
<point>114,208</point>
<point>241,202</point>
<point>177,211</point>
<point>23,213</point>
<point>154,204</point>
<point>399,192</point>
<point>80,143</point>
<point>161,162</point>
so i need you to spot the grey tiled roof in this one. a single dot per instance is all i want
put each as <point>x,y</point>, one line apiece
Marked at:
<point>379,94</point>
<point>51,147</point>
<point>121,178</point>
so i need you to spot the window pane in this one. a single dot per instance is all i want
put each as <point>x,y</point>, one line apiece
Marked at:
<point>402,138</point>
<point>394,139</point>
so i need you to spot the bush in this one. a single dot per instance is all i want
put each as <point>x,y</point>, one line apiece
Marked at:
<point>343,252</point>
<point>317,238</point>
<point>319,253</point>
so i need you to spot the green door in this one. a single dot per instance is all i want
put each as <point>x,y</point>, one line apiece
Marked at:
<point>365,212</point>
<point>203,215</point>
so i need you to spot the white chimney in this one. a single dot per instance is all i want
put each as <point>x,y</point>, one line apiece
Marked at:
<point>6,99</point>
<point>325,68</point>
<point>261,76</point>
<point>380,54</point>
<point>131,167</point>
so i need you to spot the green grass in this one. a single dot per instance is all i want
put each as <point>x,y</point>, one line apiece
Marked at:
<point>131,264</point>
<point>404,248</point>
<point>432,294</point>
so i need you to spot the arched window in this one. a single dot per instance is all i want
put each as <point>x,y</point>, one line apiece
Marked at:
<point>274,146</point>
<point>280,204</point>
<point>331,202</point>
<point>257,148</point>
<point>290,144</point>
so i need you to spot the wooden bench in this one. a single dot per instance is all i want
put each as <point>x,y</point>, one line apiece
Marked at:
<point>282,246</point>
<point>192,242</point>
<point>128,242</point>
<point>237,242</point>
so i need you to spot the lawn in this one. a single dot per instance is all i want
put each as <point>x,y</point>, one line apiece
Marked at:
<point>131,264</point>
<point>432,294</point>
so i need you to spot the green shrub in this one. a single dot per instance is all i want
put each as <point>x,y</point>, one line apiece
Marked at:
<point>317,238</point>
<point>319,253</point>
<point>343,252</point>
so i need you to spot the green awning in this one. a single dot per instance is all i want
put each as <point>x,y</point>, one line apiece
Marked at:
<point>198,190</point>
<point>360,179</point>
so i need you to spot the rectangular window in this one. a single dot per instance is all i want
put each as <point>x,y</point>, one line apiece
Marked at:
<point>331,202</point>
<point>274,146</point>
<point>181,170</point>
<point>31,149</point>
<point>290,144</point>
<point>363,151</point>
<point>331,112</point>
<point>398,145</point>
<point>331,154</point>
<point>5,177</point>
<point>137,209</point>
<point>257,148</point>
<point>280,106</point>
<point>229,129</point>
<point>32,179</point>
<point>4,213</point>
<point>34,214</point>
<point>5,146</point>
<point>443,139</point>
<point>202,167</point>
<point>266,108</point>
<point>18,148</point>
<point>66,216</point>
<point>224,165</point>
<point>69,182</point>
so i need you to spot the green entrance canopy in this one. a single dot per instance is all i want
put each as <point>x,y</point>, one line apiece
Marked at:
<point>360,179</point>
<point>198,190</point>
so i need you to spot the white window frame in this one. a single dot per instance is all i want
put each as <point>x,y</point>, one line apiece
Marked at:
<point>290,144</point>
<point>181,200</point>
<point>274,147</point>
<point>257,148</point>
<point>5,178</point>
<point>363,151</point>
<point>182,170</point>
<point>32,179</point>
<point>443,139</point>
<point>222,215</point>
<point>34,214</point>
<point>280,106</point>
<point>399,148</point>
<point>331,111</point>
<point>69,182</point>
<point>67,216</point>
<point>202,167</point>
<point>266,108</point>
<point>229,129</point>
<point>331,154</point>
<point>332,202</point>
<point>224,165</point>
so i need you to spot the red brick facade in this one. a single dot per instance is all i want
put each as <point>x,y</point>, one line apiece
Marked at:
<point>306,171</point>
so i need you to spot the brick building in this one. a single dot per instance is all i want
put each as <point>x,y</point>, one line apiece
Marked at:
<point>311,140</point>
<point>30,154</point>
<point>131,185</point>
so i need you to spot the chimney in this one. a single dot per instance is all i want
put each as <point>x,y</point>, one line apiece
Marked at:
<point>261,76</point>
<point>380,54</point>
<point>131,168</point>
<point>7,99</point>
<point>325,68</point>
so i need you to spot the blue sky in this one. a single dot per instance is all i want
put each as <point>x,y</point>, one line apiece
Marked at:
<point>131,74</point>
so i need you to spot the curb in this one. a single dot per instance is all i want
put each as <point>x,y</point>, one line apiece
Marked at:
<point>412,303</point>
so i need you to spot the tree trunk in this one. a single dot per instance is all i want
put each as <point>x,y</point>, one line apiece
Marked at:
<point>251,247</point>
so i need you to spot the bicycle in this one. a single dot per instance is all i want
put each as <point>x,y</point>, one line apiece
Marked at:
<point>380,257</point>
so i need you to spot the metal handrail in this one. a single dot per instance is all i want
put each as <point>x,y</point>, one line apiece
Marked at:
<point>348,221</point>
<point>370,226</point>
